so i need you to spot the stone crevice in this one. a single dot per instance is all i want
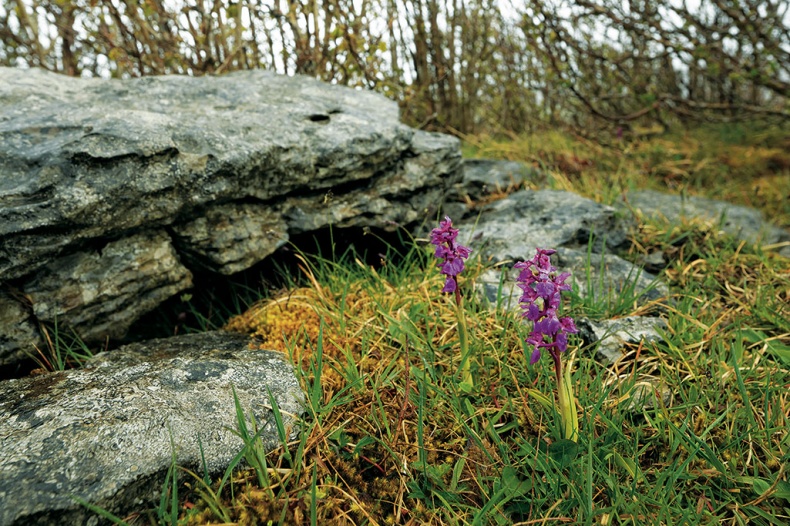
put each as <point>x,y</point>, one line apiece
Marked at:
<point>225,169</point>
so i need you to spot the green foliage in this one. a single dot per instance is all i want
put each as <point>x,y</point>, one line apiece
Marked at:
<point>62,351</point>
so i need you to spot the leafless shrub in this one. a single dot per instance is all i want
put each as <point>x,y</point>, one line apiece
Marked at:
<point>462,66</point>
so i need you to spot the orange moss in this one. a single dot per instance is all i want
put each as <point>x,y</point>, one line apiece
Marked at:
<point>274,322</point>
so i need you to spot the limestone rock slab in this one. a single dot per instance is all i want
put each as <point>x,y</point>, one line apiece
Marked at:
<point>603,277</point>
<point>741,222</point>
<point>101,293</point>
<point>482,177</point>
<point>232,237</point>
<point>511,228</point>
<point>20,328</point>
<point>103,433</point>
<point>88,156</point>
<point>228,167</point>
<point>610,336</point>
<point>607,277</point>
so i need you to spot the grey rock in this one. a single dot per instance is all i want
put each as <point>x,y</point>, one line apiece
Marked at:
<point>607,277</point>
<point>604,277</point>
<point>648,394</point>
<point>482,177</point>
<point>741,222</point>
<point>498,287</point>
<point>430,170</point>
<point>104,433</point>
<point>511,228</point>
<point>227,167</point>
<point>654,261</point>
<point>101,293</point>
<point>232,237</point>
<point>611,336</point>
<point>423,178</point>
<point>20,334</point>
<point>433,160</point>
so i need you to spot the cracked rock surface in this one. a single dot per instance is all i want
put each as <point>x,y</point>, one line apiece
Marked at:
<point>112,190</point>
<point>103,433</point>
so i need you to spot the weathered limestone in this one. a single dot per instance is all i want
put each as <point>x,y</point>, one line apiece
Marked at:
<point>546,218</point>
<point>603,277</point>
<point>232,237</point>
<point>607,277</point>
<point>98,293</point>
<point>483,177</point>
<point>213,173</point>
<point>19,328</point>
<point>104,433</point>
<point>612,335</point>
<point>512,228</point>
<point>741,222</point>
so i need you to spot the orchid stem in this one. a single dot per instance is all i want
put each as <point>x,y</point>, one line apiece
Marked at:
<point>565,399</point>
<point>467,380</point>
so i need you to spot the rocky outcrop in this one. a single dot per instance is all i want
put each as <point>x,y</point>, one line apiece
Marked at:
<point>18,329</point>
<point>512,228</point>
<point>90,290</point>
<point>741,222</point>
<point>104,433</point>
<point>113,192</point>
<point>610,337</point>
<point>547,218</point>
<point>484,177</point>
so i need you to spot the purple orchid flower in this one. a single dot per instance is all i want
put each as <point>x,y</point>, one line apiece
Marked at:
<point>451,253</point>
<point>541,300</point>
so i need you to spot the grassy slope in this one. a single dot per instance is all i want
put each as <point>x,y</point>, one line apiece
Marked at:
<point>731,163</point>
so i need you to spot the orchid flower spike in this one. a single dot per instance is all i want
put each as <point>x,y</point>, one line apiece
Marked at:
<point>542,285</point>
<point>450,252</point>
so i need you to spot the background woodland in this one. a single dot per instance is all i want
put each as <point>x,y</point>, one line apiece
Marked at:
<point>459,66</point>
